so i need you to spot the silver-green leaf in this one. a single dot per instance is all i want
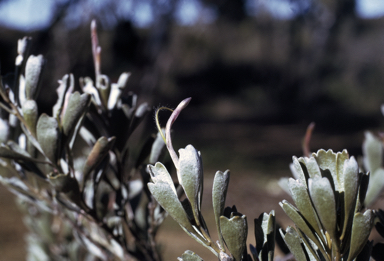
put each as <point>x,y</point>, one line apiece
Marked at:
<point>361,228</point>
<point>235,231</point>
<point>164,191</point>
<point>77,106</point>
<point>190,176</point>
<point>48,136</point>
<point>33,70</point>
<point>323,199</point>
<point>219,193</point>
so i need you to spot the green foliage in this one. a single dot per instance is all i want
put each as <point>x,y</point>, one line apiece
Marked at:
<point>72,172</point>
<point>329,192</point>
<point>232,226</point>
<point>84,196</point>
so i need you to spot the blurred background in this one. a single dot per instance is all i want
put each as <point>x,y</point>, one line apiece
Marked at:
<point>258,72</point>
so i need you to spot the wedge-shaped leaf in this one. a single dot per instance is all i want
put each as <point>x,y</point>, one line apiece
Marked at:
<point>33,70</point>
<point>265,236</point>
<point>234,231</point>
<point>334,162</point>
<point>30,114</point>
<point>300,223</point>
<point>164,195</point>
<point>373,152</point>
<point>164,191</point>
<point>101,148</point>
<point>375,187</point>
<point>351,182</point>
<point>323,199</point>
<point>300,196</point>
<point>293,241</point>
<point>188,255</point>
<point>159,173</point>
<point>77,106</point>
<point>219,193</point>
<point>361,228</point>
<point>190,176</point>
<point>48,136</point>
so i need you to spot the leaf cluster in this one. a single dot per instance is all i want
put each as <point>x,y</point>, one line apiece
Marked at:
<point>79,185</point>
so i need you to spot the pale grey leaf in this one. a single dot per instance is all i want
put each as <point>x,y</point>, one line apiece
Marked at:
<point>165,196</point>
<point>190,176</point>
<point>300,196</point>
<point>48,136</point>
<point>33,70</point>
<point>219,194</point>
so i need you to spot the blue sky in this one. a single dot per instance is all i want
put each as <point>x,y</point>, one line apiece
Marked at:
<point>34,14</point>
